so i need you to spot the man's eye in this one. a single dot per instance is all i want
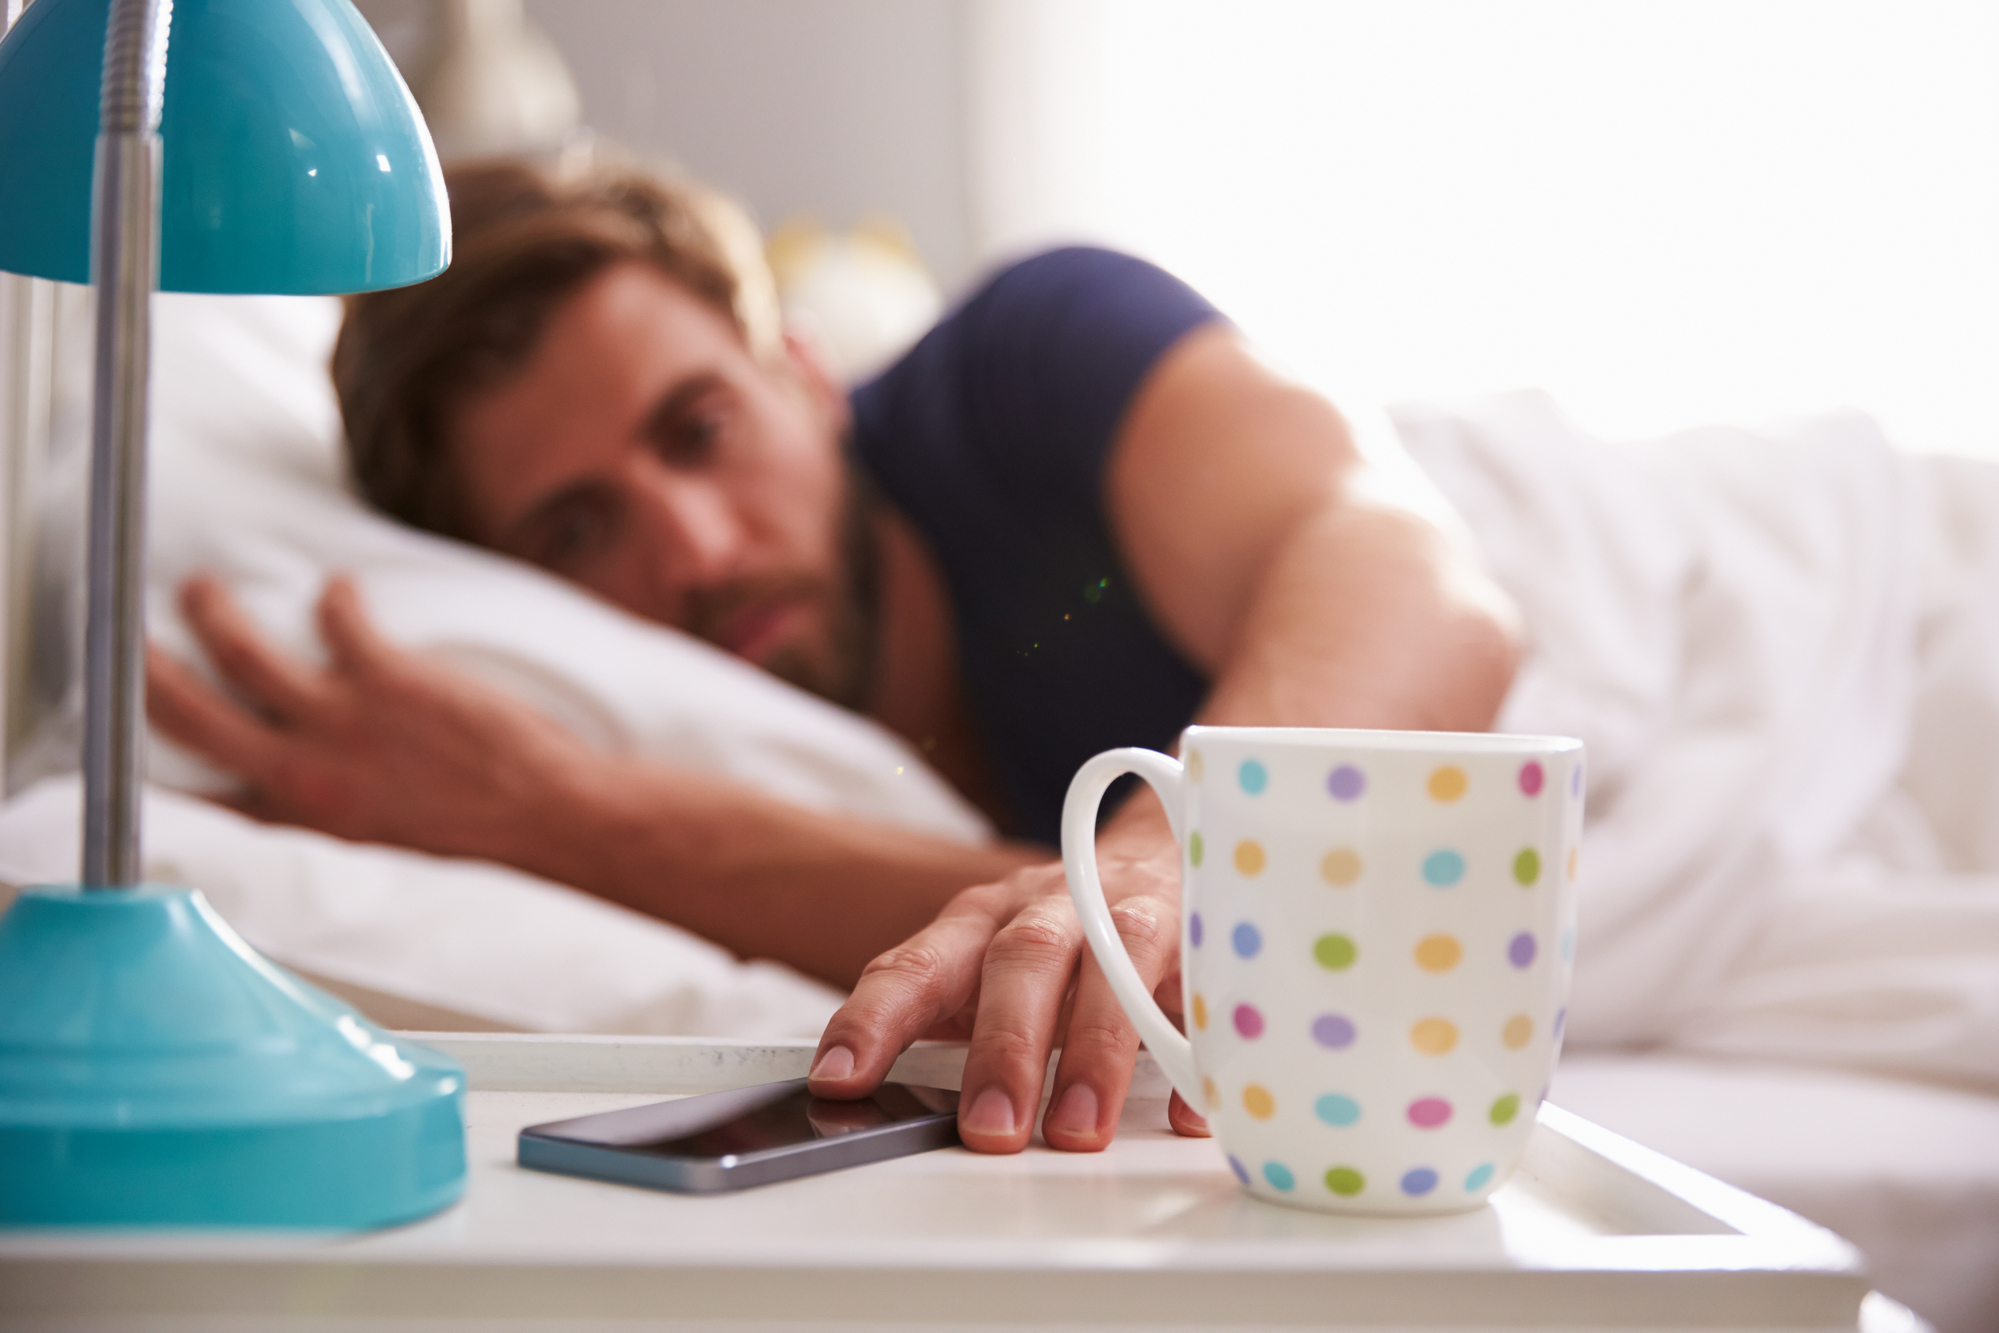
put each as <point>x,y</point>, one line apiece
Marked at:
<point>692,439</point>
<point>572,535</point>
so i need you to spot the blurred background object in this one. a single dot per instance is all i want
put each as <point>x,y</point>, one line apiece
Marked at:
<point>494,85</point>
<point>838,110</point>
<point>864,295</point>
<point>45,334</point>
<point>837,124</point>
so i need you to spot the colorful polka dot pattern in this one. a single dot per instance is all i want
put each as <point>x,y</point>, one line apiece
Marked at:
<point>1340,867</point>
<point>1333,1031</point>
<point>1434,1036</point>
<point>1429,1112</point>
<point>1335,953</point>
<point>1448,783</point>
<point>1443,868</point>
<point>1438,953</point>
<point>1336,1109</point>
<point>1520,950</point>
<point>1343,952</point>
<point>1519,1030</point>
<point>1346,783</point>
<point>1345,1181</point>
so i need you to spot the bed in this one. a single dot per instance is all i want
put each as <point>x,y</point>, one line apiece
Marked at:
<point>1781,645</point>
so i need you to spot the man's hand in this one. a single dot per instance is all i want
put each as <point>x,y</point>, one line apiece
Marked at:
<point>381,745</point>
<point>1007,964</point>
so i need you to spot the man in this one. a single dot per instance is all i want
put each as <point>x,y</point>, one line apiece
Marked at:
<point>1079,514</point>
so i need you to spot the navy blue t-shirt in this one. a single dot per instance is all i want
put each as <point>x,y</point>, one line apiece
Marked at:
<point>991,435</point>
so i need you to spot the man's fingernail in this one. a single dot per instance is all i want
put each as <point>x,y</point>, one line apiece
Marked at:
<point>992,1113</point>
<point>1186,1120</point>
<point>833,1064</point>
<point>1076,1113</point>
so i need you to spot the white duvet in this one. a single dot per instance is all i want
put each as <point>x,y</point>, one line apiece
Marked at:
<point>1782,649</point>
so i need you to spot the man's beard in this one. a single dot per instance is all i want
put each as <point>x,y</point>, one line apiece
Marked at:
<point>838,664</point>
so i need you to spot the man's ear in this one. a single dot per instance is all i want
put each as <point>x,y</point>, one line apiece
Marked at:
<point>812,361</point>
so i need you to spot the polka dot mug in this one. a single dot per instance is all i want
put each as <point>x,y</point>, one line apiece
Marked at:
<point>1377,932</point>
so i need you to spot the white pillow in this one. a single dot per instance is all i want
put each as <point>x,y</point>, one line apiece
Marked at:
<point>246,483</point>
<point>425,941</point>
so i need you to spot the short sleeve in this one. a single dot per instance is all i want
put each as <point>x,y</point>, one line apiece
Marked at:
<point>1027,383</point>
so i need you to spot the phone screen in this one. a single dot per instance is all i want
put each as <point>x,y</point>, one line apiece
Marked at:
<point>748,1120</point>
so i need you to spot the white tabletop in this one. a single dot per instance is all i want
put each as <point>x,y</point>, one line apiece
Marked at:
<point>1593,1232</point>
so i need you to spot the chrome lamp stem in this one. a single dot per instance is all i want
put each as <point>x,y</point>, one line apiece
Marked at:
<point>125,237</point>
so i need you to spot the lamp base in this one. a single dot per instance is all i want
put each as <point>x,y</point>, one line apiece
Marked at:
<point>157,1071</point>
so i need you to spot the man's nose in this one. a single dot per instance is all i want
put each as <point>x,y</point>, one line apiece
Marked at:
<point>699,535</point>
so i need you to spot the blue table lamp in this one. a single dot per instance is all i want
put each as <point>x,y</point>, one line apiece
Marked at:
<point>154,1070</point>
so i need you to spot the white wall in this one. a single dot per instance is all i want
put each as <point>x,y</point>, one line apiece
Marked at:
<point>828,108</point>
<point>1663,211</point>
<point>794,106</point>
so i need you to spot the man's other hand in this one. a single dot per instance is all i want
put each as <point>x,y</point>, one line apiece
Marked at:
<point>380,745</point>
<point>1007,964</point>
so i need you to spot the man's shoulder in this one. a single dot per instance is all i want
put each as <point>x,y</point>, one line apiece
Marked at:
<point>1034,369</point>
<point>1067,275</point>
<point>1063,265</point>
<point>1070,304</point>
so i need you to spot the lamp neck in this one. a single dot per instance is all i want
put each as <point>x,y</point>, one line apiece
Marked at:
<point>135,67</point>
<point>125,237</point>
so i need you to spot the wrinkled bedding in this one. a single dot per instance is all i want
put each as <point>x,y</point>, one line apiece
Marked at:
<point>1782,649</point>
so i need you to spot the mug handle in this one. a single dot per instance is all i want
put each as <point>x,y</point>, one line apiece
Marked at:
<point>1164,774</point>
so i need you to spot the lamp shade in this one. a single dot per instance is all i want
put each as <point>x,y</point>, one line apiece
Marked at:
<point>295,158</point>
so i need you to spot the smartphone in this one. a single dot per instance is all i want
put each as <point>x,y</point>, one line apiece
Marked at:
<point>747,1136</point>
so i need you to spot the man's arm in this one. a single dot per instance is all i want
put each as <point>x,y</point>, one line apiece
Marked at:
<point>384,745</point>
<point>1272,555</point>
<point>1308,584</point>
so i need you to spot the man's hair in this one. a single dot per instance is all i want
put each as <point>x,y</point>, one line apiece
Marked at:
<point>525,238</point>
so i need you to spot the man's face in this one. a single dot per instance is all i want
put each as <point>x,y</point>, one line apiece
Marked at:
<point>644,452</point>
